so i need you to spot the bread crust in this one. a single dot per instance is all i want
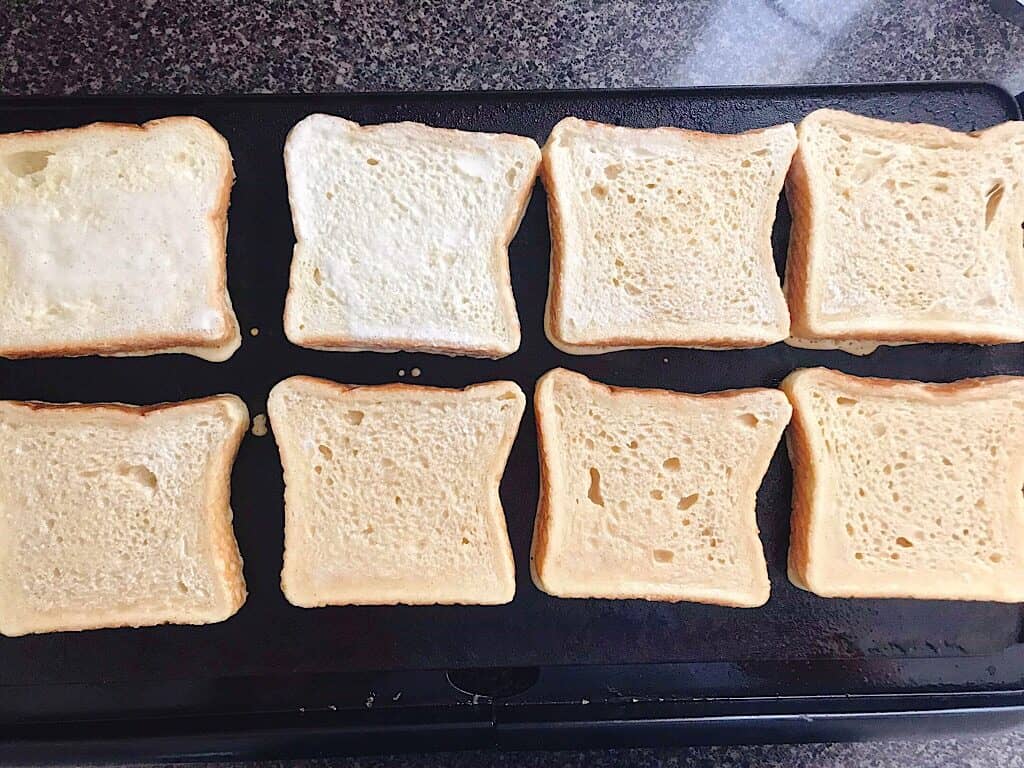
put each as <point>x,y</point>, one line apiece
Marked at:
<point>217,513</point>
<point>542,522</point>
<point>499,255</point>
<point>805,203</point>
<point>215,349</point>
<point>805,514</point>
<point>551,480</point>
<point>960,389</point>
<point>297,594</point>
<point>804,481</point>
<point>801,242</point>
<point>734,338</point>
<point>124,408</point>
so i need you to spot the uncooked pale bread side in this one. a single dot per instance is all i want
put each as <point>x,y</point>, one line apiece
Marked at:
<point>391,492</point>
<point>117,515</point>
<point>651,494</point>
<point>907,489</point>
<point>113,241</point>
<point>662,237</point>
<point>906,233</point>
<point>402,234</point>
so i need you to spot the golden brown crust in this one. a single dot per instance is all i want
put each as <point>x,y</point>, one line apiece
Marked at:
<point>801,240</point>
<point>394,386</point>
<point>545,450</point>
<point>921,134</point>
<point>287,471</point>
<point>331,344</point>
<point>219,222</point>
<point>553,303</point>
<point>949,336</point>
<point>668,394</point>
<point>500,265</point>
<point>124,408</point>
<point>958,389</point>
<point>801,459</point>
<point>502,545</point>
<point>804,205</point>
<point>218,509</point>
<point>217,292</point>
<point>293,268</point>
<point>553,310</point>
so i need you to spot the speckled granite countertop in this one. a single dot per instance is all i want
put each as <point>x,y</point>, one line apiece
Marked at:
<point>112,46</point>
<point>150,46</point>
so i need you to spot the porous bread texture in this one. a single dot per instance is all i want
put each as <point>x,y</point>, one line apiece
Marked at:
<point>906,232</point>
<point>118,515</point>
<point>651,494</point>
<point>113,241</point>
<point>392,492</point>
<point>662,237</point>
<point>402,234</point>
<point>907,489</point>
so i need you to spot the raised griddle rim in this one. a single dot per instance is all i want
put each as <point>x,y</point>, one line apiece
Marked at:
<point>490,726</point>
<point>47,101</point>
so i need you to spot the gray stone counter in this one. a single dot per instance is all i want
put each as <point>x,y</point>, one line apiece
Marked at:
<point>149,46</point>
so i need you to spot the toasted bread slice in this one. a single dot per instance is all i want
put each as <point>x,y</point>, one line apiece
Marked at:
<point>392,492</point>
<point>402,234</point>
<point>651,494</point>
<point>113,241</point>
<point>906,489</point>
<point>906,233</point>
<point>662,237</point>
<point>118,515</point>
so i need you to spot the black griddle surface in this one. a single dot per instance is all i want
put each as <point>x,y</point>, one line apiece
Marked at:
<point>178,667</point>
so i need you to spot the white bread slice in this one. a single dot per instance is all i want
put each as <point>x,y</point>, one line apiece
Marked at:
<point>118,515</point>
<point>651,494</point>
<point>906,489</point>
<point>113,241</point>
<point>391,492</point>
<point>906,232</point>
<point>402,234</point>
<point>662,237</point>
